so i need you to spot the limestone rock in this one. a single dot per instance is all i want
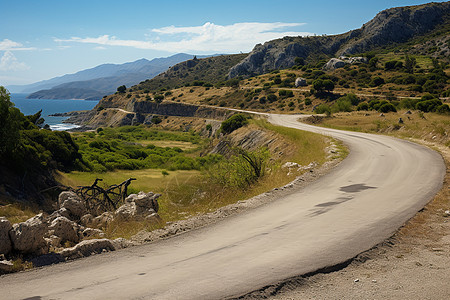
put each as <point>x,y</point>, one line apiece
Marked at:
<point>334,64</point>
<point>65,229</point>
<point>28,236</point>
<point>300,82</point>
<point>290,164</point>
<point>54,241</point>
<point>102,220</point>
<point>62,212</point>
<point>121,243</point>
<point>92,232</point>
<point>87,248</point>
<point>5,241</point>
<point>86,219</point>
<point>74,204</point>
<point>139,206</point>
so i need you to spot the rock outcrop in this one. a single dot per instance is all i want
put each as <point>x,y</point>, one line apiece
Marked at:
<point>395,25</point>
<point>336,63</point>
<point>299,82</point>
<point>28,237</point>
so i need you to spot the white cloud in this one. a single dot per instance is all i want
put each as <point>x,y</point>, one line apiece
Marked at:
<point>206,38</point>
<point>9,62</point>
<point>8,45</point>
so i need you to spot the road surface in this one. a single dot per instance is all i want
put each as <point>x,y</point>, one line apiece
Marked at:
<point>381,184</point>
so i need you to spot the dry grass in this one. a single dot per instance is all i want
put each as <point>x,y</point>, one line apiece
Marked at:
<point>16,212</point>
<point>172,144</point>
<point>423,126</point>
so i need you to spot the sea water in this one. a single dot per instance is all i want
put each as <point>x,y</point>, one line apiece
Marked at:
<point>51,106</point>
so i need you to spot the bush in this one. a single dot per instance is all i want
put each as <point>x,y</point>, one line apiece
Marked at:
<point>363,106</point>
<point>156,120</point>
<point>376,81</point>
<point>443,109</point>
<point>342,104</point>
<point>122,89</point>
<point>323,109</point>
<point>428,105</point>
<point>387,107</point>
<point>285,93</point>
<point>308,101</point>
<point>321,85</point>
<point>242,169</point>
<point>233,123</point>
<point>272,98</point>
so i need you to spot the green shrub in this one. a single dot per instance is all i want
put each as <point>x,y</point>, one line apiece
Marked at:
<point>342,104</point>
<point>362,106</point>
<point>234,122</point>
<point>387,107</point>
<point>443,109</point>
<point>428,105</point>
<point>272,98</point>
<point>323,109</point>
<point>376,81</point>
<point>122,89</point>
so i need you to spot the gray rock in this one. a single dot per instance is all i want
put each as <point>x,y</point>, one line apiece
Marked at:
<point>334,64</point>
<point>86,219</point>
<point>65,229</point>
<point>357,60</point>
<point>92,232</point>
<point>28,236</point>
<point>5,241</point>
<point>139,206</point>
<point>54,241</point>
<point>300,82</point>
<point>62,212</point>
<point>87,248</point>
<point>121,243</point>
<point>103,220</point>
<point>74,204</point>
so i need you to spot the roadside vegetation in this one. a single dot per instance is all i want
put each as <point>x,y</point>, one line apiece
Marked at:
<point>223,180</point>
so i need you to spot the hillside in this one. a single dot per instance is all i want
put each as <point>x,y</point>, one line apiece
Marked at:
<point>389,28</point>
<point>395,77</point>
<point>210,70</point>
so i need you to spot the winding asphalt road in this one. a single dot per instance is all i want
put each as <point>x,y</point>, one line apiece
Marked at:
<point>380,185</point>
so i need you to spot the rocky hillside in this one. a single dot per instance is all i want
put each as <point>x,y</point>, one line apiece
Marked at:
<point>389,27</point>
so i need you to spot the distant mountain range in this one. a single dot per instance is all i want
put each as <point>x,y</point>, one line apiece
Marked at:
<point>94,83</point>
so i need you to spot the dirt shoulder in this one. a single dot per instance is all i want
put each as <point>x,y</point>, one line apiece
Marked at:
<point>413,264</point>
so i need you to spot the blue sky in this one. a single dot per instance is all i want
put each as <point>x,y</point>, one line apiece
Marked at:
<point>43,39</point>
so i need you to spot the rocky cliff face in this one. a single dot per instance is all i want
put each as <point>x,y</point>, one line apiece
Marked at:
<point>395,25</point>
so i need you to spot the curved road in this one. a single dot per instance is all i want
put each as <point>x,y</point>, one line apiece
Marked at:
<point>380,185</point>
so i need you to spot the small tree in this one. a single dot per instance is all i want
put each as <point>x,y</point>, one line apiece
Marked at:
<point>122,89</point>
<point>233,123</point>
